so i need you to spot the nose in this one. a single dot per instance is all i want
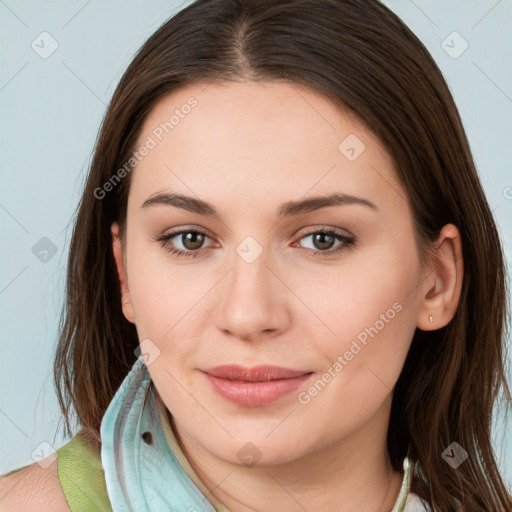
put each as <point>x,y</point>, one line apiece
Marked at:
<point>253,301</point>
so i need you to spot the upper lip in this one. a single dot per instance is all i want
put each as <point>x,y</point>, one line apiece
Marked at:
<point>261,373</point>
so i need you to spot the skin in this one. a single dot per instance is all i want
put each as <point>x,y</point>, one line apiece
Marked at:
<point>247,148</point>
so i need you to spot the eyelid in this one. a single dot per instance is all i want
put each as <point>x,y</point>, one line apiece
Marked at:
<point>322,227</point>
<point>188,228</point>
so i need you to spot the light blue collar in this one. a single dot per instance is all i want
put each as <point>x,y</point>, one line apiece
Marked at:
<point>141,471</point>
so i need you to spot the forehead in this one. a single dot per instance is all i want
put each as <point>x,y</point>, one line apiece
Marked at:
<point>265,138</point>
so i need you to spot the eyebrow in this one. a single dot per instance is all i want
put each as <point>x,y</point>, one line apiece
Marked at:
<point>288,209</point>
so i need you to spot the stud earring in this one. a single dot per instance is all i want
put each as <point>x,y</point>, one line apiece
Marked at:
<point>431,319</point>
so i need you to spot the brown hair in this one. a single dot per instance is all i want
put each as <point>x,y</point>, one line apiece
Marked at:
<point>361,56</point>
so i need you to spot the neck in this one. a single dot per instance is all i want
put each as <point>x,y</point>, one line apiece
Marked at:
<point>353,473</point>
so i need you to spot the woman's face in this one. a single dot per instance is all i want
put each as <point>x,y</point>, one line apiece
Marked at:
<point>262,286</point>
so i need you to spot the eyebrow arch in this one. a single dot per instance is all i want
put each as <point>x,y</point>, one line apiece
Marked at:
<point>288,209</point>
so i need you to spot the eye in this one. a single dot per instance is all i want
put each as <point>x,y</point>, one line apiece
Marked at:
<point>324,239</point>
<point>191,240</point>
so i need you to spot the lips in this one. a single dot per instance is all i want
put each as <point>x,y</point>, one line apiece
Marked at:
<point>257,386</point>
<point>255,374</point>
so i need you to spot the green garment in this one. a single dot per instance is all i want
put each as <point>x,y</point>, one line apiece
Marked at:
<point>81,476</point>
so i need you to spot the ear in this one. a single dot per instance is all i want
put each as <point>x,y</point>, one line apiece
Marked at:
<point>442,282</point>
<point>118,256</point>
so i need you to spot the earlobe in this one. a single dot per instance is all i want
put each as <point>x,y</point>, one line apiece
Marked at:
<point>443,285</point>
<point>118,257</point>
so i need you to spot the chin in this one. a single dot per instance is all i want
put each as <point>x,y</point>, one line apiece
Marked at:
<point>250,450</point>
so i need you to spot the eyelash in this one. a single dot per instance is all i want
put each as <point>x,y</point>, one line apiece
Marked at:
<point>348,242</point>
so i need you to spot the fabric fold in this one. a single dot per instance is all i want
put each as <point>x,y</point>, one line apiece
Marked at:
<point>141,472</point>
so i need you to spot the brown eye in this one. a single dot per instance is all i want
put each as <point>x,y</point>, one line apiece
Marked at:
<point>323,241</point>
<point>192,240</point>
<point>187,242</point>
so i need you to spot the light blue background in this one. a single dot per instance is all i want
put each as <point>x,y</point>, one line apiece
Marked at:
<point>51,111</point>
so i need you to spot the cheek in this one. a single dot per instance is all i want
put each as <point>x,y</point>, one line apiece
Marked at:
<point>369,297</point>
<point>159,292</point>
<point>370,311</point>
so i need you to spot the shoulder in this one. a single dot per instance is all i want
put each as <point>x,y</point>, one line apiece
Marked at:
<point>33,487</point>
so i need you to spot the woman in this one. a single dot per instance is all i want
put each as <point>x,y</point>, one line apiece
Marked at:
<point>286,289</point>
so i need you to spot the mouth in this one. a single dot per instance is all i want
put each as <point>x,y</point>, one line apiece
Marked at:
<point>257,386</point>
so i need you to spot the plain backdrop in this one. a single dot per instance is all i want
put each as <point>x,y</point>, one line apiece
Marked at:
<point>53,95</point>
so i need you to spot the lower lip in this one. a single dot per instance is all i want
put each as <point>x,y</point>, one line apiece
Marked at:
<point>256,394</point>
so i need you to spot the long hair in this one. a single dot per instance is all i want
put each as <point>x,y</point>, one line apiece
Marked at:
<point>361,56</point>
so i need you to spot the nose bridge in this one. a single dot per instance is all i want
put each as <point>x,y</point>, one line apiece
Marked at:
<point>250,279</point>
<point>249,303</point>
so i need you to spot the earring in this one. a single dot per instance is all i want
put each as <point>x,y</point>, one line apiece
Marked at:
<point>431,319</point>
